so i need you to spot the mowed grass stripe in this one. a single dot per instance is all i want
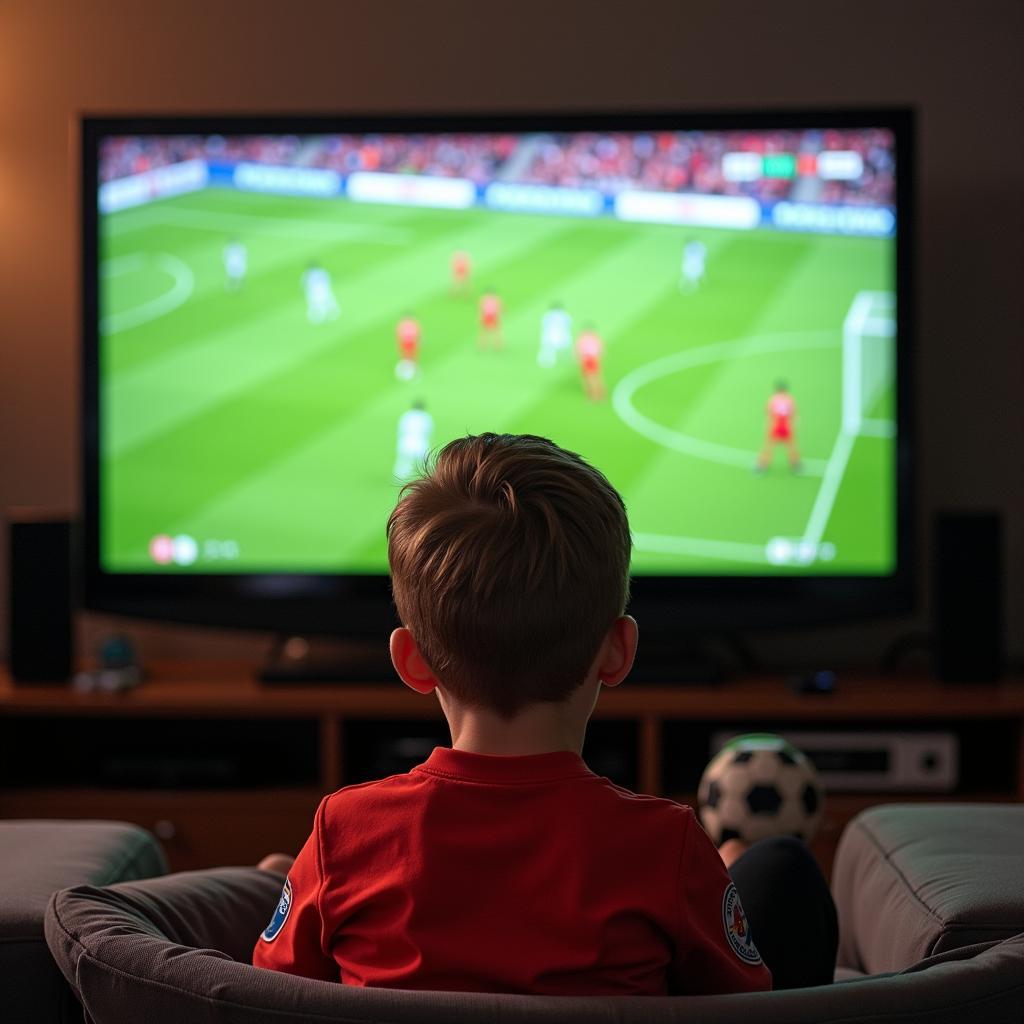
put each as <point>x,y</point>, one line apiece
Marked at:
<point>274,278</point>
<point>614,292</point>
<point>252,429</point>
<point>368,355</point>
<point>148,400</point>
<point>467,390</point>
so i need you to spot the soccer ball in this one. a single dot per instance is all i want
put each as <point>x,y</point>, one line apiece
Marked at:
<point>757,786</point>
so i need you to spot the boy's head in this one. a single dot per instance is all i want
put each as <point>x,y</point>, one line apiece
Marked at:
<point>509,564</point>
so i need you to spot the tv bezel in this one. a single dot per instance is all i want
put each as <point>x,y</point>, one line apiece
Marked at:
<point>360,606</point>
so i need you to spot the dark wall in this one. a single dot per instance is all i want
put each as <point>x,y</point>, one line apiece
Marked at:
<point>958,64</point>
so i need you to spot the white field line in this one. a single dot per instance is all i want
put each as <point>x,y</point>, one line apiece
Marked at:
<point>282,227</point>
<point>180,272</point>
<point>829,488</point>
<point>861,319</point>
<point>711,451</point>
<point>854,324</point>
<point>728,550</point>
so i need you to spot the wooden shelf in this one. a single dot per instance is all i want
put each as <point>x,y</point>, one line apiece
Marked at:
<point>206,687</point>
<point>206,827</point>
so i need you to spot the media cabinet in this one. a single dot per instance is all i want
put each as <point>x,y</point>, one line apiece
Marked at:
<point>224,769</point>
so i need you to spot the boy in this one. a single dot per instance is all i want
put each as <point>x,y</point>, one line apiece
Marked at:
<point>503,864</point>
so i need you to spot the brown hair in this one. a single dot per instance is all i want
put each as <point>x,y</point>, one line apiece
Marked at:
<point>509,562</point>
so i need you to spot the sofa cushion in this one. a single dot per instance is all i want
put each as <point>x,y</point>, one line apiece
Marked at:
<point>129,946</point>
<point>36,859</point>
<point>914,880</point>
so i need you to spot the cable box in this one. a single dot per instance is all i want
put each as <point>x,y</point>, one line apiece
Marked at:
<point>876,761</point>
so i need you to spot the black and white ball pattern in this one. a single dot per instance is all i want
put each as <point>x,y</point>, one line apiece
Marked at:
<point>757,786</point>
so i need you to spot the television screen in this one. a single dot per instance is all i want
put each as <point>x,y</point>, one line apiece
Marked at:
<point>287,324</point>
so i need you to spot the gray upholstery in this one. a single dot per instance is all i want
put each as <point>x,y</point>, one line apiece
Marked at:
<point>914,880</point>
<point>177,949</point>
<point>36,859</point>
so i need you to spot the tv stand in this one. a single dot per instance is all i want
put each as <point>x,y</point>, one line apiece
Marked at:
<point>296,659</point>
<point>226,770</point>
<point>698,658</point>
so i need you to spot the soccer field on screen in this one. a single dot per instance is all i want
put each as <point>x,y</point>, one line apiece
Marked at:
<point>228,417</point>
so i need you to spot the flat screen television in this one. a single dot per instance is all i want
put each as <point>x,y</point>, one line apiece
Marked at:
<point>282,315</point>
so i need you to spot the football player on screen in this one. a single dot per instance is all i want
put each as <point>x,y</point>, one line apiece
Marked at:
<point>414,429</point>
<point>589,353</point>
<point>555,335</point>
<point>461,267</point>
<point>321,304</point>
<point>236,262</point>
<point>781,412</point>
<point>408,332</point>
<point>490,321</point>
<point>692,270</point>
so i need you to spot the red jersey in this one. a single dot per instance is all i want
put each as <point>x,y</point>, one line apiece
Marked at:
<point>589,349</point>
<point>408,337</point>
<point>477,873</point>
<point>781,409</point>
<point>490,310</point>
<point>460,265</point>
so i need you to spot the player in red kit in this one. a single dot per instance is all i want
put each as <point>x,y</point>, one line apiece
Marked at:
<point>589,351</point>
<point>408,332</point>
<point>781,419</point>
<point>490,321</point>
<point>460,271</point>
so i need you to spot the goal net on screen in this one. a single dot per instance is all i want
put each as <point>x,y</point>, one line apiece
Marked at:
<point>869,362</point>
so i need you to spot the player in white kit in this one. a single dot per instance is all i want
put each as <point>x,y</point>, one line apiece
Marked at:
<point>321,304</point>
<point>236,262</point>
<point>414,429</point>
<point>692,270</point>
<point>555,335</point>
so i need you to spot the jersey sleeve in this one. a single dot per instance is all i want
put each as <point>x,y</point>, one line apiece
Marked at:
<point>714,951</point>
<point>295,940</point>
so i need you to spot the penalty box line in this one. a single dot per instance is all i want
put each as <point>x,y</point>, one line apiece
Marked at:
<point>859,315</point>
<point>825,499</point>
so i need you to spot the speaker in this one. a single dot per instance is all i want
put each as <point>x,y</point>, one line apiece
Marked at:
<point>967,596</point>
<point>40,600</point>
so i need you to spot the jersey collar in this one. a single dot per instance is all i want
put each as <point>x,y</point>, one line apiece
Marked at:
<point>468,767</point>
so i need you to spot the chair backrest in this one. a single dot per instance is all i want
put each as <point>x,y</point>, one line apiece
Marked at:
<point>176,948</point>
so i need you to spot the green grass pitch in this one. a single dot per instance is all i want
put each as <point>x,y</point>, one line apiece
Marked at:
<point>227,416</point>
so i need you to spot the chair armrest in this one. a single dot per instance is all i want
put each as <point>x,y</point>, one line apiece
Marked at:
<point>221,909</point>
<point>914,880</point>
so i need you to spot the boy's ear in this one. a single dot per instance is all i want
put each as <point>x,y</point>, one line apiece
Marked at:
<point>409,663</point>
<point>618,651</point>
